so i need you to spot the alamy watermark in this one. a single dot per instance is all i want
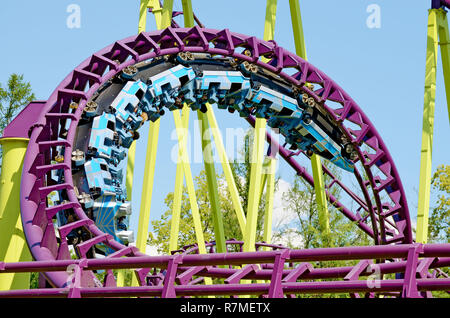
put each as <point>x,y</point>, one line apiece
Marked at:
<point>73,20</point>
<point>233,141</point>
<point>374,19</point>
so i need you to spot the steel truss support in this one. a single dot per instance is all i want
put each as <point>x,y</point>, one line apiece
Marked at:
<point>437,35</point>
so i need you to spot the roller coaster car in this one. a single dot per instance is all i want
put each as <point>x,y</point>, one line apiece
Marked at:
<point>126,105</point>
<point>104,141</point>
<point>225,88</point>
<point>112,217</point>
<point>268,103</point>
<point>167,85</point>
<point>99,177</point>
<point>127,137</point>
<point>313,127</point>
<point>102,135</point>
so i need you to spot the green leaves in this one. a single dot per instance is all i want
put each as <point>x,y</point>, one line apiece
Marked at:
<point>439,222</point>
<point>300,199</point>
<point>13,98</point>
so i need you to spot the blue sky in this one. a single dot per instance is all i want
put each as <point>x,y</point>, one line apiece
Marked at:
<point>383,69</point>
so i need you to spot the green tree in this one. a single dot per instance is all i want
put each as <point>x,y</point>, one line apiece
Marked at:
<point>301,200</point>
<point>15,96</point>
<point>439,222</point>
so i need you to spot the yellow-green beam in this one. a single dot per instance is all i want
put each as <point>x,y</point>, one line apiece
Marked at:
<point>270,191</point>
<point>321,198</point>
<point>147,186</point>
<point>152,143</point>
<point>256,164</point>
<point>143,9</point>
<point>257,154</point>
<point>211,177</point>
<point>269,23</point>
<point>188,14</point>
<point>316,165</point>
<point>234,194</point>
<point>427,127</point>
<point>190,187</point>
<point>179,177</point>
<point>130,170</point>
<point>179,181</point>
<point>444,43</point>
<point>297,28</point>
<point>13,246</point>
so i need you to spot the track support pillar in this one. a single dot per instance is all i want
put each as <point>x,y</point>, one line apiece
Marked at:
<point>211,177</point>
<point>13,246</point>
<point>319,183</point>
<point>437,35</point>
<point>234,194</point>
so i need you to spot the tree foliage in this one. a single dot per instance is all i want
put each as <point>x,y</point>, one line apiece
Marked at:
<point>439,222</point>
<point>15,96</point>
<point>301,200</point>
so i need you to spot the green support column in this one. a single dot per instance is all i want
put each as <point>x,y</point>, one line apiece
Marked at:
<point>143,9</point>
<point>130,171</point>
<point>13,246</point>
<point>270,166</point>
<point>297,28</point>
<point>427,127</point>
<point>234,194</point>
<point>257,155</point>
<point>179,181</point>
<point>129,185</point>
<point>188,13</point>
<point>316,165</point>
<point>152,142</point>
<point>321,198</point>
<point>444,43</point>
<point>213,188</point>
<point>189,22</point>
<point>190,186</point>
<point>256,163</point>
<point>269,23</point>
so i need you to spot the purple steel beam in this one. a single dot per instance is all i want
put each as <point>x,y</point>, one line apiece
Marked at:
<point>436,4</point>
<point>382,286</point>
<point>239,258</point>
<point>279,285</point>
<point>80,85</point>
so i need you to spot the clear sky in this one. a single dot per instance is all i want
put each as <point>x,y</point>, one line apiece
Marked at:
<point>383,68</point>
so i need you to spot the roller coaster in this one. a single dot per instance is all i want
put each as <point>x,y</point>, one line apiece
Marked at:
<point>79,141</point>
